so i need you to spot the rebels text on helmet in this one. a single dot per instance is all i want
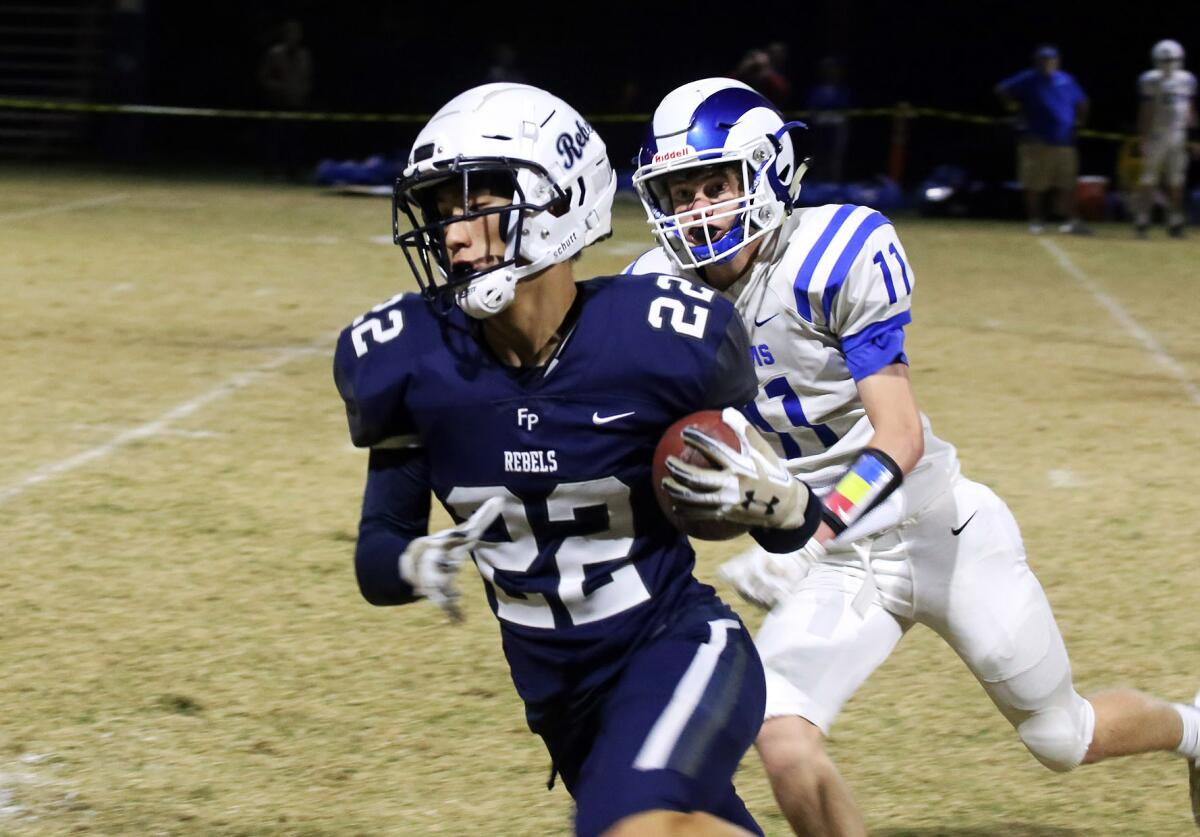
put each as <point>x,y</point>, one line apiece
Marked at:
<point>570,146</point>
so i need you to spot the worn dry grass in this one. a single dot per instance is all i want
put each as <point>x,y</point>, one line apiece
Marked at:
<point>182,646</point>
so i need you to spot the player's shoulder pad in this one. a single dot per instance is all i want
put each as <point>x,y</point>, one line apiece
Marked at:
<point>654,260</point>
<point>649,304</point>
<point>376,355</point>
<point>829,239</point>
<point>824,248</point>
<point>386,327</point>
<point>682,335</point>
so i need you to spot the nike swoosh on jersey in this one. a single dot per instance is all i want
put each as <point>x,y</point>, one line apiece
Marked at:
<point>759,324</point>
<point>599,419</point>
<point>955,532</point>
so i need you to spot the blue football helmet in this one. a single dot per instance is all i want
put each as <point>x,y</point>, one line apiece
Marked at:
<point>717,122</point>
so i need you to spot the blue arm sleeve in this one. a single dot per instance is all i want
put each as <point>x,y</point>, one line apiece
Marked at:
<point>876,346</point>
<point>395,511</point>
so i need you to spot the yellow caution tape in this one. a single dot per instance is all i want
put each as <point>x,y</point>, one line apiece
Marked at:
<point>225,113</point>
<point>906,111</point>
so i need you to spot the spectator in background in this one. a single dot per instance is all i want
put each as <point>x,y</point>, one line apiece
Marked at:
<point>285,80</point>
<point>504,65</point>
<point>1051,105</point>
<point>827,102</point>
<point>757,70</point>
<point>285,71</point>
<point>1168,110</point>
<point>777,55</point>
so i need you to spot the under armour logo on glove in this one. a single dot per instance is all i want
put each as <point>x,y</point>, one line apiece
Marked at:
<point>768,508</point>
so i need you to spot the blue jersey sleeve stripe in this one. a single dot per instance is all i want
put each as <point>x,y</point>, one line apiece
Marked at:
<point>804,277</point>
<point>876,346</point>
<point>875,329</point>
<point>838,275</point>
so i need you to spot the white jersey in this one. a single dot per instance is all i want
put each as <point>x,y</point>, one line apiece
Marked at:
<point>1170,96</point>
<point>823,309</point>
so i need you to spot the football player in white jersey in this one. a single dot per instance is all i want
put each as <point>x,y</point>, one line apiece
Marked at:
<point>1167,111</point>
<point>825,294</point>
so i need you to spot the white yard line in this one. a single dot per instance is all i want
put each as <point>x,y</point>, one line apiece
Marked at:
<point>160,425</point>
<point>1146,338</point>
<point>626,248</point>
<point>63,207</point>
<point>1063,478</point>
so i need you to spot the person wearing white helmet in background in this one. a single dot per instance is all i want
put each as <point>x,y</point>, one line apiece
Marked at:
<point>1167,111</point>
<point>529,404</point>
<point>826,295</point>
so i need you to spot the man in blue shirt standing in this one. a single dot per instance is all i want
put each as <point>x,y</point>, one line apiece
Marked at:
<point>1052,104</point>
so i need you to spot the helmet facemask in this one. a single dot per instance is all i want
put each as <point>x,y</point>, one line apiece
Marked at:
<point>488,290</point>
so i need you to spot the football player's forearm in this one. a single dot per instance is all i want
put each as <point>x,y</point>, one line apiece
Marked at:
<point>904,442</point>
<point>395,511</point>
<point>896,446</point>
<point>377,565</point>
<point>892,409</point>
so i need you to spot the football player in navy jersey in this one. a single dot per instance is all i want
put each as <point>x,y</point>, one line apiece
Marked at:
<point>531,405</point>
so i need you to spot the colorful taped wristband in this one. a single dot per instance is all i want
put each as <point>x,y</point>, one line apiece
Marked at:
<point>869,481</point>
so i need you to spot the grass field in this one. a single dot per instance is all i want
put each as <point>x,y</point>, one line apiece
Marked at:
<point>183,649</point>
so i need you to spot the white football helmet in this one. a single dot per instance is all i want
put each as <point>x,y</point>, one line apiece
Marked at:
<point>1167,55</point>
<point>718,121</point>
<point>518,140</point>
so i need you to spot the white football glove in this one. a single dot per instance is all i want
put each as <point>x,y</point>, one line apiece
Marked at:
<point>764,579</point>
<point>430,563</point>
<point>750,486</point>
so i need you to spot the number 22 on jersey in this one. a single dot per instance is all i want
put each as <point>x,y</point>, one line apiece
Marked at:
<point>592,520</point>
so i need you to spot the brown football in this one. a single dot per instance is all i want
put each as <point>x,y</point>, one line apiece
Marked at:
<point>672,444</point>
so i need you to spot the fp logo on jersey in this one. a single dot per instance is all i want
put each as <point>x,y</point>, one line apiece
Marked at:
<point>526,418</point>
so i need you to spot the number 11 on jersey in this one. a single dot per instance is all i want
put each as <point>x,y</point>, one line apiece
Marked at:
<point>780,388</point>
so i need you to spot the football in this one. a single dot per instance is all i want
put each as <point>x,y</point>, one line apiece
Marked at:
<point>672,444</point>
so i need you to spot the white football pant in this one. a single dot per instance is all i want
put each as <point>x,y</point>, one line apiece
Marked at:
<point>1165,158</point>
<point>974,588</point>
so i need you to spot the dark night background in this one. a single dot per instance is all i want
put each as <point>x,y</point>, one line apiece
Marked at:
<point>408,57</point>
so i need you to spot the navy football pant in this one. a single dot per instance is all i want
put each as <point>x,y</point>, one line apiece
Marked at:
<point>671,732</point>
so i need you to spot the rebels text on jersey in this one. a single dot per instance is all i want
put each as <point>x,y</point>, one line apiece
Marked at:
<point>582,564</point>
<point>826,304</point>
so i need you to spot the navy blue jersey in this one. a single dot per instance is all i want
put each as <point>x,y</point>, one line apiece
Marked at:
<point>582,565</point>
